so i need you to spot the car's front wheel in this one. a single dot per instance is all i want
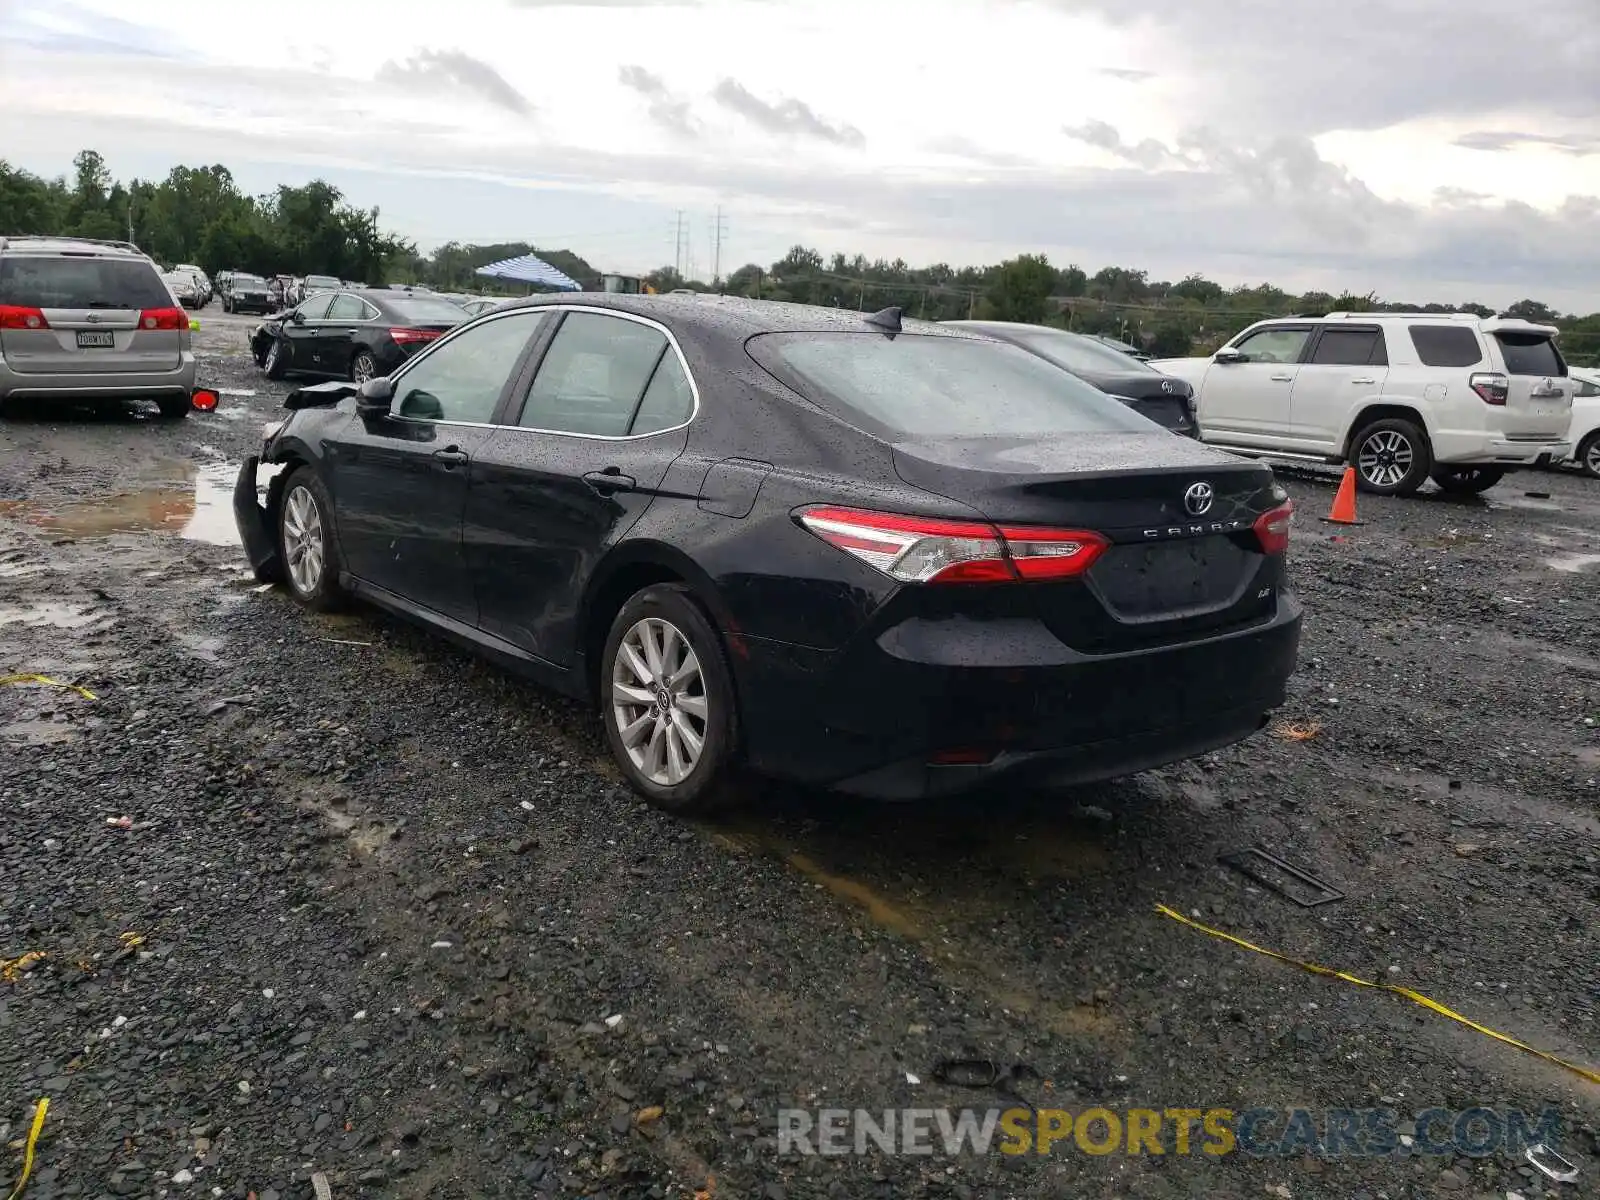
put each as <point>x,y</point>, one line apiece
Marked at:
<point>1588,456</point>
<point>1467,481</point>
<point>667,701</point>
<point>306,543</point>
<point>1391,457</point>
<point>273,362</point>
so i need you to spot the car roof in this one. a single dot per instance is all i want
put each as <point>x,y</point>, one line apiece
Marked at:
<point>730,316</point>
<point>41,244</point>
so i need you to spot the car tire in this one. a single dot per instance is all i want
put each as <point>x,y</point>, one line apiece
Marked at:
<point>272,361</point>
<point>1467,481</point>
<point>307,545</point>
<point>363,367</point>
<point>654,742</point>
<point>1391,457</point>
<point>1588,455</point>
<point>175,408</point>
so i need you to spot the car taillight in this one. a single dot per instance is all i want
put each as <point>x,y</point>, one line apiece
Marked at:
<point>1491,386</point>
<point>163,318</point>
<point>403,337</point>
<point>1272,528</point>
<point>934,550</point>
<point>14,316</point>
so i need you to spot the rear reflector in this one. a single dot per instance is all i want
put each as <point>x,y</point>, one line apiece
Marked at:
<point>170,319</point>
<point>934,550</point>
<point>1272,528</point>
<point>1491,386</point>
<point>403,337</point>
<point>14,317</point>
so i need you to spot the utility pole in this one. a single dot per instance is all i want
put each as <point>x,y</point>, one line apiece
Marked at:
<point>130,221</point>
<point>720,230</point>
<point>677,247</point>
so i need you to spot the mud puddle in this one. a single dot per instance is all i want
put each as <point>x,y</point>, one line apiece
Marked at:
<point>201,510</point>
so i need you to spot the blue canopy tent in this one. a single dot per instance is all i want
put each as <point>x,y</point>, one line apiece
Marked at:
<point>527,268</point>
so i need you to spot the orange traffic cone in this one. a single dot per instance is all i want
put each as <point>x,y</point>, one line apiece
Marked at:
<point>1343,511</point>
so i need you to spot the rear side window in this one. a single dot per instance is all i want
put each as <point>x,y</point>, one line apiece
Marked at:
<point>668,400</point>
<point>1351,348</point>
<point>940,386</point>
<point>82,283</point>
<point>1530,354</point>
<point>1446,345</point>
<point>594,376</point>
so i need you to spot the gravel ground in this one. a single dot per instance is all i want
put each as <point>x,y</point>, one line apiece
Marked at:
<point>381,911</point>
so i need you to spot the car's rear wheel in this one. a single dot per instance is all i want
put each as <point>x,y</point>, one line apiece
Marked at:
<point>174,407</point>
<point>363,367</point>
<point>667,701</point>
<point>306,543</point>
<point>1467,481</point>
<point>1391,457</point>
<point>273,362</point>
<point>1588,457</point>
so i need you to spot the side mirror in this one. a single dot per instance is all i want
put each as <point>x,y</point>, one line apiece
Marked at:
<point>375,396</point>
<point>297,317</point>
<point>1228,355</point>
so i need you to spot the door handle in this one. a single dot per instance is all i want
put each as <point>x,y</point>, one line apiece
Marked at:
<point>1363,380</point>
<point>450,457</point>
<point>610,480</point>
<point>1283,379</point>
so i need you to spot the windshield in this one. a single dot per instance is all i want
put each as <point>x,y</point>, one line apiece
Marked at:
<point>425,311</point>
<point>922,385</point>
<point>247,281</point>
<point>1078,353</point>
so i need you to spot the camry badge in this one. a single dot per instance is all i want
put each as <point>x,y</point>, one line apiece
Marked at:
<point>1197,500</point>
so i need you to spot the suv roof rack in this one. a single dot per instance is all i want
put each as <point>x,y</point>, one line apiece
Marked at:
<point>1372,316</point>
<point>49,237</point>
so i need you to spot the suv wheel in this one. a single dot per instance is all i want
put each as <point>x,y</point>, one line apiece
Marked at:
<point>667,701</point>
<point>1391,457</point>
<point>1588,456</point>
<point>1467,481</point>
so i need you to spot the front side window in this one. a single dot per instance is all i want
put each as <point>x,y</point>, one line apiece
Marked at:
<point>461,379</point>
<point>1273,345</point>
<point>593,377</point>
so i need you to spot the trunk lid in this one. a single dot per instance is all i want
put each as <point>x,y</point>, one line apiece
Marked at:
<point>1159,398</point>
<point>1539,392</point>
<point>1171,572</point>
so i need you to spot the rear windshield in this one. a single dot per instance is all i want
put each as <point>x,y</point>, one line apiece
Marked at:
<point>81,283</point>
<point>321,281</point>
<point>940,386</point>
<point>425,311</point>
<point>1530,354</point>
<point>1078,353</point>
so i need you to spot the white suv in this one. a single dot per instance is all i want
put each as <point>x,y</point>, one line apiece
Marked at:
<point>1402,397</point>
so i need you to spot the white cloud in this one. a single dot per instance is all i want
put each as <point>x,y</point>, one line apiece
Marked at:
<point>1237,145</point>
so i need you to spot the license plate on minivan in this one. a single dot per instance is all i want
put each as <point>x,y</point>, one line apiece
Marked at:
<point>96,339</point>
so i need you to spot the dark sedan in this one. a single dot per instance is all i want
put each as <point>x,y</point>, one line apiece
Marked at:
<point>894,559</point>
<point>245,294</point>
<point>355,334</point>
<point>1165,400</point>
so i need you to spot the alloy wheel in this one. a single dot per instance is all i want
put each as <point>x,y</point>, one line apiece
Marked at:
<point>659,701</point>
<point>1591,458</point>
<point>361,369</point>
<point>303,544</point>
<point>1385,458</point>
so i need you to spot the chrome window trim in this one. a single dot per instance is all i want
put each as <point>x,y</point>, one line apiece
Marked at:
<point>542,309</point>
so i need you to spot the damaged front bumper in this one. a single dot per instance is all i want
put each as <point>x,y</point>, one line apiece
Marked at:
<point>256,525</point>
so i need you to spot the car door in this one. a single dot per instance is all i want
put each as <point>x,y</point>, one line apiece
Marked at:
<point>302,327</point>
<point>399,479</point>
<point>336,342</point>
<point>1346,366</point>
<point>1247,400</point>
<point>572,469</point>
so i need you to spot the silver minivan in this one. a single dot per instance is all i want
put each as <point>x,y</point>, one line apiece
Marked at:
<point>91,319</point>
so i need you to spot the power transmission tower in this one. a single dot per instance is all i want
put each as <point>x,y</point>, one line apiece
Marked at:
<point>719,231</point>
<point>677,247</point>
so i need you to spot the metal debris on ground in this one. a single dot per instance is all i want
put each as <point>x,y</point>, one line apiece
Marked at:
<point>1544,1159</point>
<point>12,969</point>
<point>1254,863</point>
<point>986,1074</point>
<point>1292,731</point>
<point>321,1186</point>
<point>46,681</point>
<point>342,642</point>
<point>1415,997</point>
<point>31,1145</point>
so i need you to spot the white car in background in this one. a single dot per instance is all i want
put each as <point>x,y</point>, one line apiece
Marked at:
<point>1586,421</point>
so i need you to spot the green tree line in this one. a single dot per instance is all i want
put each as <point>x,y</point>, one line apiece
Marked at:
<point>199,215</point>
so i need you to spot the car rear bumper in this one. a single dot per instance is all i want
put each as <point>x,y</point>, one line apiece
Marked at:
<point>1451,449</point>
<point>110,385</point>
<point>892,719</point>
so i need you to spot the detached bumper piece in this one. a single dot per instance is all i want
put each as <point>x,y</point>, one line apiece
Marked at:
<point>256,532</point>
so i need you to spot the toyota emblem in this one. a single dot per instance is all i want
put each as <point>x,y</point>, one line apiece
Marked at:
<point>1197,500</point>
<point>93,319</point>
<point>1166,387</point>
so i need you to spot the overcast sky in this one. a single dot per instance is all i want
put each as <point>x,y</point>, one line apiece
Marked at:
<point>1428,149</point>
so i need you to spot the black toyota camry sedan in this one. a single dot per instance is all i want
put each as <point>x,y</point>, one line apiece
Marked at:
<point>1164,399</point>
<point>357,334</point>
<point>888,557</point>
